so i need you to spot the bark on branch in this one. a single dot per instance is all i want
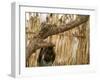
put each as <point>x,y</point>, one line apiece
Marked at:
<point>49,30</point>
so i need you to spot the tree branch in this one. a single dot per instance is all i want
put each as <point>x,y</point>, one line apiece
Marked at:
<point>48,29</point>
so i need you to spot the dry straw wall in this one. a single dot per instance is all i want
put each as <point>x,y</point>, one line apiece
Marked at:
<point>71,47</point>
